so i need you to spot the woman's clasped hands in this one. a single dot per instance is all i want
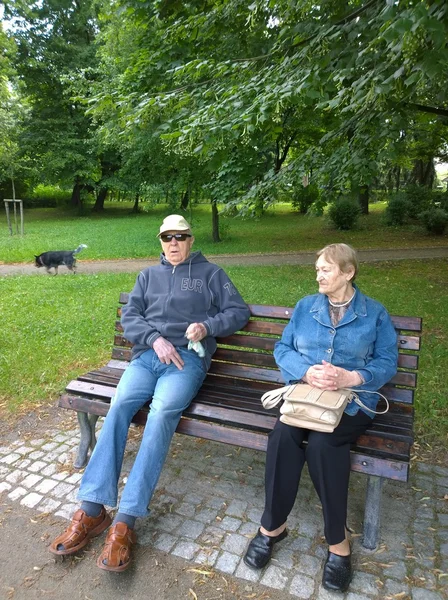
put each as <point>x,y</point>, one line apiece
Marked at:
<point>329,377</point>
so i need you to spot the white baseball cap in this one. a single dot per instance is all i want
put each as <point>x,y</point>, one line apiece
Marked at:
<point>174,223</point>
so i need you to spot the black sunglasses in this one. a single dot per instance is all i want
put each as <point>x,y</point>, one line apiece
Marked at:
<point>179,237</point>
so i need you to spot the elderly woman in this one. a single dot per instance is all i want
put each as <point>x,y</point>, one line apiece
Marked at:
<point>338,338</point>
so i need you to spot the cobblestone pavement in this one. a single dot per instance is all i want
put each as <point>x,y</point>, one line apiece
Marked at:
<point>227,260</point>
<point>209,502</point>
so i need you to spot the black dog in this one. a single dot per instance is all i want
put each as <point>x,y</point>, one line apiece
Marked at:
<point>55,258</point>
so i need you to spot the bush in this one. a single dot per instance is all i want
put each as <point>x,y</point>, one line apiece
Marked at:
<point>47,196</point>
<point>419,199</point>
<point>397,209</point>
<point>435,220</point>
<point>304,197</point>
<point>344,212</point>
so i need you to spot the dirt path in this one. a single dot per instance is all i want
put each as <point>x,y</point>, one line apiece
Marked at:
<point>225,260</point>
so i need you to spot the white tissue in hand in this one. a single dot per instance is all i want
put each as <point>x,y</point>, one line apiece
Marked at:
<point>197,347</point>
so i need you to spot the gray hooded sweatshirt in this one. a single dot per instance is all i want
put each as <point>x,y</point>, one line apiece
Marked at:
<point>166,299</point>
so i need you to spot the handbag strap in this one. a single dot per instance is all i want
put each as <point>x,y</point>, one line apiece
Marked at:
<point>272,398</point>
<point>355,398</point>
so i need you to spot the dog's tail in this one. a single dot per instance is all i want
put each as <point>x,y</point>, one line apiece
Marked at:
<point>79,248</point>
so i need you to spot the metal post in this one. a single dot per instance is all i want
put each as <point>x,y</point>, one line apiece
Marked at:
<point>21,217</point>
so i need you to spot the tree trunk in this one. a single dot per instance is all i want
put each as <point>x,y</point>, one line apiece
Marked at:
<point>135,207</point>
<point>100,198</point>
<point>215,222</point>
<point>76,194</point>
<point>397,179</point>
<point>423,172</point>
<point>363,197</point>
<point>185,199</point>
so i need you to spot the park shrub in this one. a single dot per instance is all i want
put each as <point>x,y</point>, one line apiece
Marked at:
<point>435,220</point>
<point>344,212</point>
<point>419,198</point>
<point>304,197</point>
<point>47,196</point>
<point>397,209</point>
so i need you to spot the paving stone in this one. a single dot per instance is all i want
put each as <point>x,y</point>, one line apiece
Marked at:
<point>234,543</point>
<point>9,459</point>
<point>421,594</point>
<point>206,515</point>
<point>49,446</point>
<point>48,505</point>
<point>355,596</point>
<point>310,565</point>
<point>17,493</point>
<point>67,511</point>
<point>38,442</point>
<point>443,519</point>
<point>274,577</point>
<point>23,450</point>
<point>74,478</point>
<point>46,486</point>
<point>248,529</point>
<point>394,588</point>
<point>168,522</point>
<point>31,480</point>
<point>227,562</point>
<point>217,503</point>
<point>302,586</point>
<point>185,509</point>
<point>31,500</point>
<point>3,470</point>
<point>4,486</point>
<point>237,508</point>
<point>364,582</point>
<point>15,476</point>
<point>60,475</point>
<point>61,437</point>
<point>23,464</point>
<point>299,544</point>
<point>36,455</point>
<point>284,557</point>
<point>49,470</point>
<point>246,572</point>
<point>229,524</point>
<point>185,550</point>
<point>191,529</point>
<point>397,570</point>
<point>165,542</point>
<point>207,557</point>
<point>62,489</point>
<point>37,466</point>
<point>195,499</point>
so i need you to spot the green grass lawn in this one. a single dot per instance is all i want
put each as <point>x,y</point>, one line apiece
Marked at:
<point>119,234</point>
<point>57,327</point>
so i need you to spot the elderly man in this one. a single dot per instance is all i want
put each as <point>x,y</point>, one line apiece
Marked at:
<point>173,306</point>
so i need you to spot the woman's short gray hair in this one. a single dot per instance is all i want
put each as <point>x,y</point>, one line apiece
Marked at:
<point>342,255</point>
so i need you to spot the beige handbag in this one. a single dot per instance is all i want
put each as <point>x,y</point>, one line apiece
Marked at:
<point>311,408</point>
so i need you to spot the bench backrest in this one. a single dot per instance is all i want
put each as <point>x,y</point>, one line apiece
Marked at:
<point>248,354</point>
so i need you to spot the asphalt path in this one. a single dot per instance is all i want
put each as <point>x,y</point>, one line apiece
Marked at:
<point>225,260</point>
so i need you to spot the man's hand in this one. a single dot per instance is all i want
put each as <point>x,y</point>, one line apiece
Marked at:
<point>328,377</point>
<point>167,353</point>
<point>196,332</point>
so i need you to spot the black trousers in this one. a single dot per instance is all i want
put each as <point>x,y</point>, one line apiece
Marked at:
<point>328,458</point>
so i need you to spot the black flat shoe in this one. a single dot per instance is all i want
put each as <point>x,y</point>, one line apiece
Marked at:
<point>260,549</point>
<point>337,572</point>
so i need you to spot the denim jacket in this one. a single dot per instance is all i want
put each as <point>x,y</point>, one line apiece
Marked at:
<point>364,340</point>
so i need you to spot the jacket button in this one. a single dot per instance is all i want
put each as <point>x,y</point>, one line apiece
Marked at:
<point>332,331</point>
<point>329,350</point>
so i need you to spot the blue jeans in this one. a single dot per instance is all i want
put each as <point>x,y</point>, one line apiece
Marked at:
<point>171,390</point>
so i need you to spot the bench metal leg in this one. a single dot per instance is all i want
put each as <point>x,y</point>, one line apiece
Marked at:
<point>372,512</point>
<point>87,425</point>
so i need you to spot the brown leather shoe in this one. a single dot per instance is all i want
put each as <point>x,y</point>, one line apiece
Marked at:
<point>116,553</point>
<point>80,531</point>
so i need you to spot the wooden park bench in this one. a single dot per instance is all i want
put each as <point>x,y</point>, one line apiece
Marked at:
<point>228,409</point>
